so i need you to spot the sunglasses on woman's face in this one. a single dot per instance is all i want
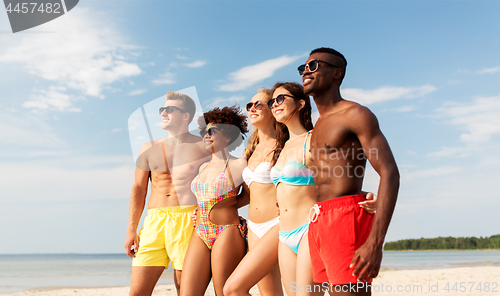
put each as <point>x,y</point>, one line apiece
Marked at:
<point>279,100</point>
<point>170,109</point>
<point>210,131</point>
<point>313,66</point>
<point>256,105</point>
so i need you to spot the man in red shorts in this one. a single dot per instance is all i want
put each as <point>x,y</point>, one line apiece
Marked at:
<point>345,242</point>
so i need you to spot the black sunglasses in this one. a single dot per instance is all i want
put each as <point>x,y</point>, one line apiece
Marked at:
<point>313,66</point>
<point>210,131</point>
<point>279,100</point>
<point>170,109</point>
<point>256,105</point>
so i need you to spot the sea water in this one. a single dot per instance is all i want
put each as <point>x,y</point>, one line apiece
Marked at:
<point>47,271</point>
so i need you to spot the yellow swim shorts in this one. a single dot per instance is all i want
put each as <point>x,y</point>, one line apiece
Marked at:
<point>165,237</point>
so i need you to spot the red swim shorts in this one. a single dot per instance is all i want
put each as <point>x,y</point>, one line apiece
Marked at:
<point>337,229</point>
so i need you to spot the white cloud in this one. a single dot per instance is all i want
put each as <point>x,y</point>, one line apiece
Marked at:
<point>489,70</point>
<point>137,92</point>
<point>116,130</point>
<point>181,57</point>
<point>403,109</point>
<point>83,54</point>
<point>196,64</point>
<point>251,75</point>
<point>165,78</point>
<point>53,98</point>
<point>220,102</point>
<point>386,93</point>
<point>480,121</point>
<point>428,173</point>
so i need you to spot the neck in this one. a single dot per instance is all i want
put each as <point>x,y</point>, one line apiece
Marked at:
<point>295,128</point>
<point>220,156</point>
<point>178,135</point>
<point>328,100</point>
<point>266,133</point>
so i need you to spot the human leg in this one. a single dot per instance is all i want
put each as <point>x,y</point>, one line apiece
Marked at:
<point>259,266</point>
<point>143,279</point>
<point>304,272</point>
<point>177,281</point>
<point>288,265</point>
<point>196,270</point>
<point>151,258</point>
<point>227,252</point>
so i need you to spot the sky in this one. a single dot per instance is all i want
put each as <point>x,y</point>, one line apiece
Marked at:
<point>429,70</point>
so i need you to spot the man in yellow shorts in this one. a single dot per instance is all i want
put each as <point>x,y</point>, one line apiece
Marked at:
<point>171,164</point>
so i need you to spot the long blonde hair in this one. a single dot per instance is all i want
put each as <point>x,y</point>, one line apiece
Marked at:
<point>253,140</point>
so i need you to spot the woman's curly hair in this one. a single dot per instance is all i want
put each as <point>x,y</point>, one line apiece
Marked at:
<point>232,123</point>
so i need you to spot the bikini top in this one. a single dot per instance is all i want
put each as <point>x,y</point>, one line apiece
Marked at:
<point>214,191</point>
<point>294,173</point>
<point>261,174</point>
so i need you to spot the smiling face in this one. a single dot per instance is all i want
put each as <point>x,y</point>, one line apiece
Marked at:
<point>262,117</point>
<point>214,138</point>
<point>325,76</point>
<point>176,118</point>
<point>287,109</point>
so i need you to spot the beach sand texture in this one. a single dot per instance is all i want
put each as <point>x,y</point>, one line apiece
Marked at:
<point>415,282</point>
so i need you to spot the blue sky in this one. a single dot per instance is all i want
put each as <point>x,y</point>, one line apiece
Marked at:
<point>429,70</point>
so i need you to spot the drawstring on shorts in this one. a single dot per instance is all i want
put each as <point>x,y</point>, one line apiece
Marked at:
<point>315,215</point>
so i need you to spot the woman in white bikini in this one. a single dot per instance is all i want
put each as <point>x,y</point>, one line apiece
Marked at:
<point>260,265</point>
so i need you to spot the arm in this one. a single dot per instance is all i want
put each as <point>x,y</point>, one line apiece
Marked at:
<point>368,257</point>
<point>136,207</point>
<point>243,198</point>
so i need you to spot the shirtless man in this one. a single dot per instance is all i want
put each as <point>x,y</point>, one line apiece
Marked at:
<point>171,164</point>
<point>345,242</point>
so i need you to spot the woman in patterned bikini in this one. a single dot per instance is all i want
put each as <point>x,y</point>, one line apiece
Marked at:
<point>293,180</point>
<point>260,265</point>
<point>217,246</point>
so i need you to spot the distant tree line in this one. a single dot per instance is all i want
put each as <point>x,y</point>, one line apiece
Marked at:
<point>445,243</point>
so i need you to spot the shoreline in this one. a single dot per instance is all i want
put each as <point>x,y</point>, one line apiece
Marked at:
<point>435,282</point>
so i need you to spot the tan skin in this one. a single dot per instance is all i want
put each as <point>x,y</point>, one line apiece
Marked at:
<point>201,264</point>
<point>345,135</point>
<point>260,265</point>
<point>169,187</point>
<point>296,200</point>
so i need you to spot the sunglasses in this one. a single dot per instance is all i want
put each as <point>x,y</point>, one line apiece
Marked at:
<point>256,105</point>
<point>170,109</point>
<point>313,66</point>
<point>279,100</point>
<point>210,131</point>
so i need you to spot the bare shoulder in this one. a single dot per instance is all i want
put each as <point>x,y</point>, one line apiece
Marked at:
<point>360,119</point>
<point>238,163</point>
<point>359,114</point>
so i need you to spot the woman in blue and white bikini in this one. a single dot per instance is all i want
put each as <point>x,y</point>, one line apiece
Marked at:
<point>293,180</point>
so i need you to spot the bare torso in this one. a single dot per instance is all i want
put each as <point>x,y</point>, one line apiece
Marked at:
<point>173,166</point>
<point>338,159</point>
<point>262,206</point>
<point>295,201</point>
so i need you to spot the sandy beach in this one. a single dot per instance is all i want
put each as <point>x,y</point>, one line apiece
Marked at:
<point>466,281</point>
